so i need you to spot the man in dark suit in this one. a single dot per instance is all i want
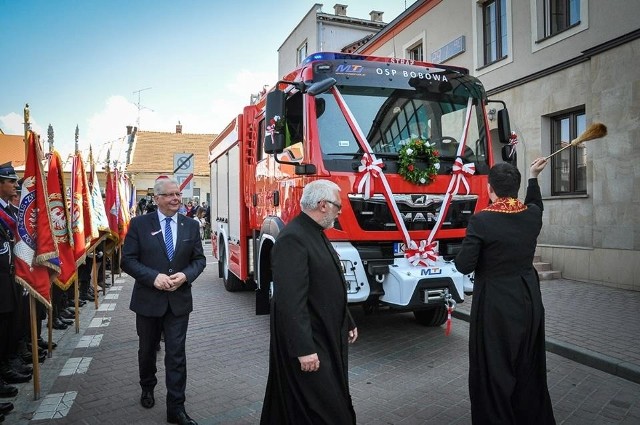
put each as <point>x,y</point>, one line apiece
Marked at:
<point>507,359</point>
<point>163,253</point>
<point>311,326</point>
<point>9,291</point>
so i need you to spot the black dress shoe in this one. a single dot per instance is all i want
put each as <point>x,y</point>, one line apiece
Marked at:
<point>28,358</point>
<point>87,297</point>
<point>6,407</point>
<point>180,418</point>
<point>66,314</point>
<point>67,322</point>
<point>7,391</point>
<point>1,417</point>
<point>45,345</point>
<point>20,366</point>
<point>11,376</point>
<point>57,324</point>
<point>147,400</point>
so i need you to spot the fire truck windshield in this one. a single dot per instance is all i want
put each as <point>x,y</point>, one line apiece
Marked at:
<point>389,117</point>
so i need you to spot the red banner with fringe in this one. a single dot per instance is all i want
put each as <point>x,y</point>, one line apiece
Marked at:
<point>61,222</point>
<point>36,254</point>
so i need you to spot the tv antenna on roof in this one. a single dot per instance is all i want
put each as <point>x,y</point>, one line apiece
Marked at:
<point>139,106</point>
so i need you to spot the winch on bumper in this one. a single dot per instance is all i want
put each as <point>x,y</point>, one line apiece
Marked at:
<point>416,287</point>
<point>402,285</point>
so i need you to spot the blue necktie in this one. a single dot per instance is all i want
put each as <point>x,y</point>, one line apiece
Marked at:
<point>168,237</point>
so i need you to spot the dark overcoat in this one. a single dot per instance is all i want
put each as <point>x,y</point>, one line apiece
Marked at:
<point>8,287</point>
<point>309,315</point>
<point>507,360</point>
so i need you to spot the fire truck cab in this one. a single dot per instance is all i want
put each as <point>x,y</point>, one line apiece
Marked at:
<point>347,118</point>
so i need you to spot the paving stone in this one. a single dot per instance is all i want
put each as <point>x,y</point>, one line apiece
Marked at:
<point>400,372</point>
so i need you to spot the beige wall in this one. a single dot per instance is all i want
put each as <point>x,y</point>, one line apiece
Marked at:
<point>441,25</point>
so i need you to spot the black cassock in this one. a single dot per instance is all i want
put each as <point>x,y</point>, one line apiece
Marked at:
<point>309,315</point>
<point>507,359</point>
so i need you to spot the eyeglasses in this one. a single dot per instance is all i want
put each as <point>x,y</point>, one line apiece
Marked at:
<point>171,195</point>
<point>335,204</point>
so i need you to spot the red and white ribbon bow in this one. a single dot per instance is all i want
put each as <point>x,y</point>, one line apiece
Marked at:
<point>369,169</point>
<point>419,255</point>
<point>271,128</point>
<point>513,141</point>
<point>460,171</point>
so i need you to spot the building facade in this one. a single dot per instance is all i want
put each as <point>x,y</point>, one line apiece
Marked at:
<point>559,65</point>
<point>324,32</point>
<point>152,155</point>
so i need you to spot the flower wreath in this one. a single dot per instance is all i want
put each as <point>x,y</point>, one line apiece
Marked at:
<point>409,153</point>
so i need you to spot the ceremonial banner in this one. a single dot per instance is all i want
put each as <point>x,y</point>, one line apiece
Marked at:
<point>123,204</point>
<point>81,224</point>
<point>99,222</point>
<point>61,221</point>
<point>36,254</point>
<point>112,204</point>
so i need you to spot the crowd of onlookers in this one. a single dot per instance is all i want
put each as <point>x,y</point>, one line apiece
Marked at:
<point>192,209</point>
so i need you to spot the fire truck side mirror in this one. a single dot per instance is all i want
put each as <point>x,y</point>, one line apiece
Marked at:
<point>274,140</point>
<point>509,154</point>
<point>321,86</point>
<point>504,126</point>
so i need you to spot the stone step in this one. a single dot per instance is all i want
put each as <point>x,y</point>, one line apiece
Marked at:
<point>541,266</point>
<point>549,275</point>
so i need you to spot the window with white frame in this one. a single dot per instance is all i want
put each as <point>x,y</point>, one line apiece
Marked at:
<point>302,53</point>
<point>416,52</point>
<point>494,34</point>
<point>560,15</point>
<point>569,167</point>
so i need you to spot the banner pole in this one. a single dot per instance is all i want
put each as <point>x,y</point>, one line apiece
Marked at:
<point>76,293</point>
<point>50,330</point>
<point>113,265</point>
<point>34,348</point>
<point>94,279</point>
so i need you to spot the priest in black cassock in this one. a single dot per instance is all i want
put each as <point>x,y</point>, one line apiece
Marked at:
<point>310,323</point>
<point>507,359</point>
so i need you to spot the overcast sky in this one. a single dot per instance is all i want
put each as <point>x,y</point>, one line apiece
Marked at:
<point>81,62</point>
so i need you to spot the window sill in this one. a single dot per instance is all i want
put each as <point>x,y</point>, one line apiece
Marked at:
<point>568,196</point>
<point>555,34</point>
<point>487,65</point>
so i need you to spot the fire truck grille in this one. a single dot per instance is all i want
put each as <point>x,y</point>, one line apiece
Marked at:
<point>419,211</point>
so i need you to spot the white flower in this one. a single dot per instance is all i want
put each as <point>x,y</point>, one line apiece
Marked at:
<point>437,165</point>
<point>422,180</point>
<point>409,151</point>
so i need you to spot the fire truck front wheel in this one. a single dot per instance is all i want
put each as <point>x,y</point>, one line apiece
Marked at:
<point>431,317</point>
<point>231,281</point>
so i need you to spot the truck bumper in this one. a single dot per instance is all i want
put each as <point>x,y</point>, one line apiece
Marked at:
<point>405,286</point>
<point>412,287</point>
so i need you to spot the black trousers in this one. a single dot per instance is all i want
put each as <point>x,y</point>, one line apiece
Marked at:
<point>6,326</point>
<point>175,361</point>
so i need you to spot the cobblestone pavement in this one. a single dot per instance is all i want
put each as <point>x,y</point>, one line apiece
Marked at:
<point>592,324</point>
<point>401,372</point>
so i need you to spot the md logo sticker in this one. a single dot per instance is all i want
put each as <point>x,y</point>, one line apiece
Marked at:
<point>431,271</point>
<point>350,69</point>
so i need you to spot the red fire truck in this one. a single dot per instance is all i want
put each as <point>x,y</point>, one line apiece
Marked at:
<point>352,119</point>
